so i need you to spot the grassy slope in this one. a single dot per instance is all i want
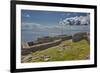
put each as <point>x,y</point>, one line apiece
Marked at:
<point>67,50</point>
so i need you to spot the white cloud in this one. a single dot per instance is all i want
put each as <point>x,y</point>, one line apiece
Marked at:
<point>30,26</point>
<point>26,15</point>
<point>35,27</point>
<point>77,20</point>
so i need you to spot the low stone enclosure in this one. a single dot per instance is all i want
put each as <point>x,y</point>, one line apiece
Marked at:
<point>40,47</point>
<point>44,43</point>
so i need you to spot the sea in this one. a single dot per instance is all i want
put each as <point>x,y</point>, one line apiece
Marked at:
<point>30,35</point>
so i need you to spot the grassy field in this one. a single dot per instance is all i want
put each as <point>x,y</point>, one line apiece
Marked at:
<point>67,50</point>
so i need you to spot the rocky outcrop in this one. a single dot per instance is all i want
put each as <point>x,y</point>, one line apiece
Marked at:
<point>80,36</point>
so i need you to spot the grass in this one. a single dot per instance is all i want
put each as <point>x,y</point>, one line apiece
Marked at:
<point>67,50</point>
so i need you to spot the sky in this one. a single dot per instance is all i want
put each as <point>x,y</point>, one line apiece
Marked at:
<point>46,17</point>
<point>36,24</point>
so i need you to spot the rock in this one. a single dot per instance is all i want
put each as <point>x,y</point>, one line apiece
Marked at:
<point>79,36</point>
<point>46,58</point>
<point>27,58</point>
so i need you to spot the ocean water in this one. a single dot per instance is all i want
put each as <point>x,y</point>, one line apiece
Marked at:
<point>28,35</point>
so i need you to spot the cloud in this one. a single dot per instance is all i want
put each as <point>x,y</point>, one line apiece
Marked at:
<point>26,15</point>
<point>37,28</point>
<point>30,26</point>
<point>66,14</point>
<point>77,20</point>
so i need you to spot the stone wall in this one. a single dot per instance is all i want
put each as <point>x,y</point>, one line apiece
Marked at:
<point>66,38</point>
<point>40,47</point>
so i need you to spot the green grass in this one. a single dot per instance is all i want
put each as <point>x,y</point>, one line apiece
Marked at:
<point>67,50</point>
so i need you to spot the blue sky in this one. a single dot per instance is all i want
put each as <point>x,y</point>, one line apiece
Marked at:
<point>46,17</point>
